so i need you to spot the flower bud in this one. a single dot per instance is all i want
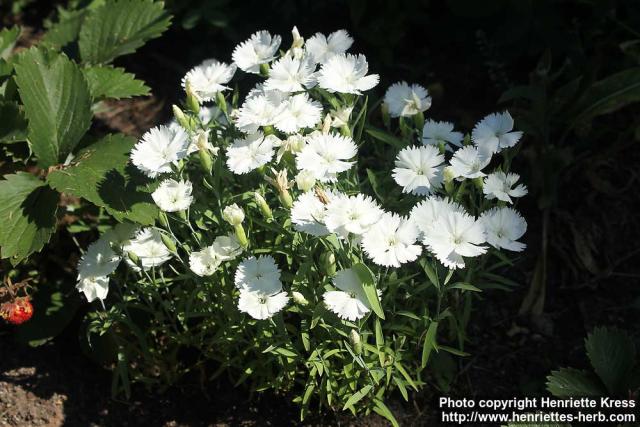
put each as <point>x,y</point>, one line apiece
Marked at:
<point>180,117</point>
<point>134,259</point>
<point>168,242</point>
<point>356,343</point>
<point>221,102</point>
<point>326,124</point>
<point>264,70</point>
<point>305,180</point>
<point>282,184</point>
<point>418,120</point>
<point>192,100</point>
<point>328,263</point>
<point>241,235</point>
<point>262,204</point>
<point>163,220</point>
<point>298,298</point>
<point>233,214</point>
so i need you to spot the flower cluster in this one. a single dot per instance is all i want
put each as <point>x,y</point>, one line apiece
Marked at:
<point>261,202</point>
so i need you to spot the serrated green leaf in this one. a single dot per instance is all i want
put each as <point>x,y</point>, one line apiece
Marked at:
<point>56,101</point>
<point>27,215</point>
<point>8,38</point>
<point>357,397</point>
<point>13,126</point>
<point>66,30</point>
<point>109,82</point>
<point>102,174</point>
<point>429,343</point>
<point>612,355</point>
<point>369,285</point>
<point>120,27</point>
<point>569,382</point>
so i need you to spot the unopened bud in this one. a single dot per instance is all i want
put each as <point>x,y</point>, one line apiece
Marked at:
<point>264,69</point>
<point>180,117</point>
<point>356,342</point>
<point>134,259</point>
<point>168,242</point>
<point>328,263</point>
<point>222,102</point>
<point>418,120</point>
<point>241,235</point>
<point>163,219</point>
<point>233,214</point>
<point>192,102</point>
<point>262,204</point>
<point>305,180</point>
<point>298,298</point>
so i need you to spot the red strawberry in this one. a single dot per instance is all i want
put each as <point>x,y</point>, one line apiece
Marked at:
<point>18,311</point>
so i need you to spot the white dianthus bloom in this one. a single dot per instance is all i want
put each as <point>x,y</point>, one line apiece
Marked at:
<point>98,260</point>
<point>351,214</point>
<point>454,236</point>
<point>426,213</point>
<point>261,306</point>
<point>504,226</point>
<point>346,73</point>
<point>499,185</point>
<point>392,241</point>
<point>259,275</point>
<point>249,153</point>
<point>233,214</point>
<point>298,112</point>
<point>259,109</point>
<point>308,214</point>
<point>206,261</point>
<point>305,180</point>
<point>404,100</point>
<point>436,133</point>
<point>494,133</point>
<point>350,302</point>
<point>94,287</point>
<point>322,48</point>
<point>419,169</point>
<point>147,245</point>
<point>207,114</point>
<point>160,148</point>
<point>173,196</point>
<point>209,78</point>
<point>289,74</point>
<point>468,162</point>
<point>326,155</point>
<point>260,49</point>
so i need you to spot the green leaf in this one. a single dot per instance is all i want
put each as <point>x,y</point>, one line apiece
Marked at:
<point>102,174</point>
<point>612,355</point>
<point>380,342</point>
<point>369,285</point>
<point>27,214</point>
<point>56,101</point>
<point>357,397</point>
<point>430,272</point>
<point>608,95</point>
<point>465,287</point>
<point>120,27</point>
<point>67,28</point>
<point>383,410</point>
<point>385,137</point>
<point>8,38</point>
<point>109,82</point>
<point>429,343</point>
<point>569,382</point>
<point>13,126</point>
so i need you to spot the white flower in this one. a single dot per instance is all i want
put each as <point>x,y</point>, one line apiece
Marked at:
<point>436,133</point>
<point>233,214</point>
<point>206,261</point>
<point>321,48</point>
<point>298,112</point>
<point>94,287</point>
<point>149,248</point>
<point>494,132</point>
<point>259,109</point>
<point>350,302</point>
<point>158,149</point>
<point>261,306</point>
<point>504,226</point>
<point>207,114</point>
<point>173,196</point>
<point>209,78</point>
<point>341,117</point>
<point>468,162</point>
<point>259,275</point>
<point>419,169</point>
<point>351,214</point>
<point>499,185</point>
<point>453,236</point>
<point>249,153</point>
<point>426,213</point>
<point>346,74</point>
<point>259,49</point>
<point>98,260</point>
<point>305,180</point>
<point>405,101</point>
<point>391,241</point>
<point>308,214</point>
<point>326,155</point>
<point>289,74</point>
